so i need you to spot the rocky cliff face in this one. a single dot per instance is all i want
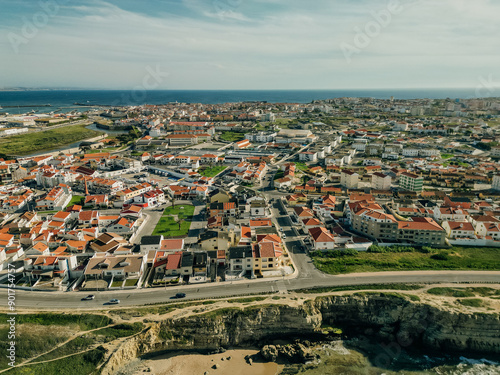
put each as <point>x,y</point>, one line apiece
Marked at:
<point>396,322</point>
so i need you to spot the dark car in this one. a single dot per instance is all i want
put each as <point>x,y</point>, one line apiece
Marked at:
<point>180,295</point>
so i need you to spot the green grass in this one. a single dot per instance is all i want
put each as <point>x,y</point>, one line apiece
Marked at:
<point>187,211</point>
<point>75,199</point>
<point>450,292</point>
<point>363,287</point>
<point>37,333</point>
<point>107,149</point>
<point>30,343</point>
<point>232,136</point>
<point>117,284</point>
<point>79,364</point>
<point>220,312</point>
<point>169,227</point>
<point>84,322</point>
<point>301,166</point>
<point>471,302</point>
<point>119,330</point>
<point>45,140</point>
<point>246,300</point>
<point>447,156</point>
<point>76,345</point>
<point>212,171</point>
<point>131,282</point>
<point>464,292</point>
<point>457,258</point>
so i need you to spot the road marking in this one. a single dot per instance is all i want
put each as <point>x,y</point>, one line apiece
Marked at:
<point>281,287</point>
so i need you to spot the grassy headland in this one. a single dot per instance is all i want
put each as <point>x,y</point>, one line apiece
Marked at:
<point>47,140</point>
<point>407,259</point>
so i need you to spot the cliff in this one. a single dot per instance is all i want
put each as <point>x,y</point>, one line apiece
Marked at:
<point>393,320</point>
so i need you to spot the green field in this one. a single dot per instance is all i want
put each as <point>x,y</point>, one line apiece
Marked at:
<point>456,258</point>
<point>212,171</point>
<point>167,224</point>
<point>45,140</point>
<point>51,330</point>
<point>302,166</point>
<point>447,156</point>
<point>76,199</point>
<point>232,136</point>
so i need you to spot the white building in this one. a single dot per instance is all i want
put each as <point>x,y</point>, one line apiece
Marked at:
<point>381,181</point>
<point>349,179</point>
<point>308,156</point>
<point>410,152</point>
<point>496,182</point>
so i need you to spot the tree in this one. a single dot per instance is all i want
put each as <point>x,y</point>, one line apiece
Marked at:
<point>172,200</point>
<point>180,220</point>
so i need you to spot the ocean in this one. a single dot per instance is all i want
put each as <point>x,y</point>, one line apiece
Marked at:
<point>16,102</point>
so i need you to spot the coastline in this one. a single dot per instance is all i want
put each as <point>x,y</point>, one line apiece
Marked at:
<point>228,363</point>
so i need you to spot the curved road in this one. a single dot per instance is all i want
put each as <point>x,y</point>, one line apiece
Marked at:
<point>307,276</point>
<point>72,300</point>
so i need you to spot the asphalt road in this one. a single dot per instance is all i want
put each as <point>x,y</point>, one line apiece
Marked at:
<point>307,276</point>
<point>71,300</point>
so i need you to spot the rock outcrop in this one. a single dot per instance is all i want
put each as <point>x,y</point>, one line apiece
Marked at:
<point>395,321</point>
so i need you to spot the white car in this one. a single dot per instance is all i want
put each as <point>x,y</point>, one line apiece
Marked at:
<point>284,236</point>
<point>114,301</point>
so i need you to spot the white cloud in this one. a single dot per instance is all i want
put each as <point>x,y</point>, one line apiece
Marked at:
<point>260,44</point>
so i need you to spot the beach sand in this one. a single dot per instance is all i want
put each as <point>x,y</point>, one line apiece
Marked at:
<point>198,364</point>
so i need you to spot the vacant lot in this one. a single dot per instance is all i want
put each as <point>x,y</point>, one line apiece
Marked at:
<point>232,136</point>
<point>212,171</point>
<point>456,258</point>
<point>46,140</point>
<point>169,224</point>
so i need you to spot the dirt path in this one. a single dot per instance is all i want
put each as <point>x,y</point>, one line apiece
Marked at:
<point>29,361</point>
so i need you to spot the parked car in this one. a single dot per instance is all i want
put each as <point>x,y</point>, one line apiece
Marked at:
<point>180,295</point>
<point>88,298</point>
<point>114,301</point>
<point>284,236</point>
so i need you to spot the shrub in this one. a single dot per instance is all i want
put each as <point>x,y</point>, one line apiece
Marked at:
<point>471,302</point>
<point>391,249</point>
<point>440,256</point>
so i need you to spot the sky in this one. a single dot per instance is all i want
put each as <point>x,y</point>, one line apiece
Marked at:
<point>250,44</point>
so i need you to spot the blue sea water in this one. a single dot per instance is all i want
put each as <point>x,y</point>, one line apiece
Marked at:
<point>63,100</point>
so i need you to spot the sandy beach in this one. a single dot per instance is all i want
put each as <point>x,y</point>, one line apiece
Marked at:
<point>194,364</point>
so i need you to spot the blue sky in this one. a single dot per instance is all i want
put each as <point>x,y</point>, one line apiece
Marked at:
<point>249,44</point>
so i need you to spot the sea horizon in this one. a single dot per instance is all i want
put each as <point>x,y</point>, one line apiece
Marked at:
<point>63,100</point>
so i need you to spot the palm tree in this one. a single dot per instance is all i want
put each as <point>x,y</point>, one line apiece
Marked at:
<point>172,200</point>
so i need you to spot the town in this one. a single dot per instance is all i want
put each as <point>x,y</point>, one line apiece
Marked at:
<point>185,193</point>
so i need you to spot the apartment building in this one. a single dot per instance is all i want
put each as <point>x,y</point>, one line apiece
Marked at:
<point>381,181</point>
<point>349,179</point>
<point>411,181</point>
